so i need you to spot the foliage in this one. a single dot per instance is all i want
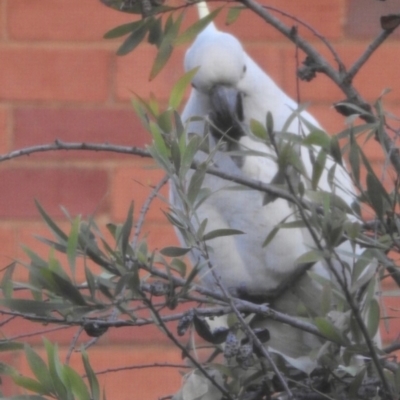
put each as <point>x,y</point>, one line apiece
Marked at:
<point>132,275</point>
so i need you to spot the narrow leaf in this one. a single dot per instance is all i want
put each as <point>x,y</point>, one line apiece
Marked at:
<point>73,243</point>
<point>329,330</point>
<point>233,15</point>
<point>179,88</point>
<point>134,39</point>
<point>39,369</point>
<point>162,57</point>
<point>93,382</point>
<point>51,224</point>
<point>221,232</point>
<point>174,251</point>
<point>122,30</point>
<point>190,33</point>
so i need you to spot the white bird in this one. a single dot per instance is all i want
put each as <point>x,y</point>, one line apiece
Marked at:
<point>229,90</point>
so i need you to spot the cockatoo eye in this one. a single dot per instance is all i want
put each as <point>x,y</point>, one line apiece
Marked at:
<point>244,69</point>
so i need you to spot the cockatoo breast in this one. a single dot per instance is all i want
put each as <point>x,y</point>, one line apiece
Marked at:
<point>220,57</point>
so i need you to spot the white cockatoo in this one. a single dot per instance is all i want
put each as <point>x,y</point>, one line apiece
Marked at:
<point>228,91</point>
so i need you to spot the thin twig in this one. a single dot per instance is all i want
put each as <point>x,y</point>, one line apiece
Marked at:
<point>314,31</point>
<point>68,146</point>
<point>72,344</point>
<point>140,366</point>
<point>35,333</point>
<point>367,54</point>
<point>60,145</point>
<point>176,342</point>
<point>145,208</point>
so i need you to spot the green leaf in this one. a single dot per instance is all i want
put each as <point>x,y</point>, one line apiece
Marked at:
<point>93,382</point>
<point>164,121</point>
<point>258,129</point>
<point>179,266</point>
<point>233,15</point>
<point>190,34</point>
<point>122,30</point>
<point>26,397</point>
<point>356,384</point>
<point>6,345</point>
<point>375,194</point>
<point>29,384</point>
<point>189,153</point>
<point>7,286</point>
<point>270,124</point>
<point>164,53</point>
<point>159,143</point>
<point>271,236</point>
<point>32,306</point>
<point>311,256</point>
<point>155,32</point>
<point>51,224</point>
<point>55,370</point>
<point>354,159</point>
<point>179,88</point>
<point>318,169</point>
<point>75,383</point>
<point>174,251</point>
<point>167,44</point>
<point>39,369</point>
<point>126,230</point>
<point>373,317</point>
<point>317,138</point>
<point>329,330</point>
<point>134,39</point>
<point>73,243</point>
<point>63,287</point>
<point>195,183</point>
<point>334,150</point>
<point>221,232</point>
<point>90,281</point>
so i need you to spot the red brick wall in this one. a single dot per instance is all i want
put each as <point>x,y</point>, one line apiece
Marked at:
<point>60,80</point>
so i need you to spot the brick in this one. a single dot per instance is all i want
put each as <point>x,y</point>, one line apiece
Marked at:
<point>54,74</point>
<point>328,117</point>
<point>269,58</point>
<point>391,310</point>
<point>363,18</point>
<point>7,385</point>
<point>135,183</point>
<point>72,20</point>
<point>4,131</point>
<point>79,190</point>
<point>142,384</point>
<point>8,248</point>
<point>99,125</point>
<point>133,70</point>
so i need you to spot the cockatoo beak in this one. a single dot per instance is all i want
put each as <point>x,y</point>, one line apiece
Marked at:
<point>226,112</point>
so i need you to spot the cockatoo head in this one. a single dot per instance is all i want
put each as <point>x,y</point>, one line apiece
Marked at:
<point>221,59</point>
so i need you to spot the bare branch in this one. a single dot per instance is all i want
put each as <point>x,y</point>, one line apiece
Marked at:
<point>140,366</point>
<point>367,54</point>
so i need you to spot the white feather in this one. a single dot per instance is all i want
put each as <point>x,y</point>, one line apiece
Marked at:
<point>241,260</point>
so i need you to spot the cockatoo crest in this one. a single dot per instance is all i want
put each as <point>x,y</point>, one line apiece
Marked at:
<point>221,59</point>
